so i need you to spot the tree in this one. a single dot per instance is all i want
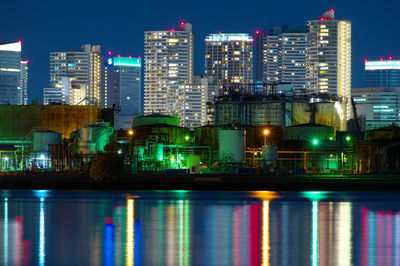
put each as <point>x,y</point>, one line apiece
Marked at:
<point>107,166</point>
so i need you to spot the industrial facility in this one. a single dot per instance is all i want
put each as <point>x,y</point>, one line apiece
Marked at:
<point>66,138</point>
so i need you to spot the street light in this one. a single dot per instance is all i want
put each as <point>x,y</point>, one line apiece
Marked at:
<point>130,132</point>
<point>315,142</point>
<point>348,138</point>
<point>266,133</point>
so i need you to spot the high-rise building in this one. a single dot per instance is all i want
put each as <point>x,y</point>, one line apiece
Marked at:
<point>378,107</point>
<point>23,83</point>
<point>84,66</point>
<point>229,60</point>
<point>168,60</point>
<point>122,88</point>
<point>10,73</point>
<point>329,59</point>
<point>61,93</point>
<point>280,56</point>
<point>382,73</point>
<point>188,102</point>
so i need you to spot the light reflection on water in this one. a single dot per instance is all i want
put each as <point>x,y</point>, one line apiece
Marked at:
<point>199,228</point>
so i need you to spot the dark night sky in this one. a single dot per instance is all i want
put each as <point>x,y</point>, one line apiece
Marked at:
<point>55,25</point>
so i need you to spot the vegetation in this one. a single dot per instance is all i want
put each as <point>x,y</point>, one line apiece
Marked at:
<point>107,166</point>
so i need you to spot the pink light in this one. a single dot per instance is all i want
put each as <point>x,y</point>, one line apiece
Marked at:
<point>109,53</point>
<point>332,10</point>
<point>170,30</point>
<point>381,59</point>
<point>119,55</point>
<point>182,23</point>
<point>139,56</point>
<point>258,32</point>
<point>366,60</point>
<point>20,41</point>
<point>390,57</point>
<point>129,56</point>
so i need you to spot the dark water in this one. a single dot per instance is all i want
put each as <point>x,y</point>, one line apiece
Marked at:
<point>199,228</point>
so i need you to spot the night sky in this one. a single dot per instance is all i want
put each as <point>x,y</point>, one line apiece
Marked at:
<point>54,25</point>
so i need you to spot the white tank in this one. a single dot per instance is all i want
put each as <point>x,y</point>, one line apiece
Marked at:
<point>231,145</point>
<point>270,155</point>
<point>42,140</point>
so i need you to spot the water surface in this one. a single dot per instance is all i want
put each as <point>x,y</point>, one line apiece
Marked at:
<point>176,228</point>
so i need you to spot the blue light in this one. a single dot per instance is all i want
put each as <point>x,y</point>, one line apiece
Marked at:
<point>41,193</point>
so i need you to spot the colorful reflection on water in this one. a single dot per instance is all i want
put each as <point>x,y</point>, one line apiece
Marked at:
<point>198,228</point>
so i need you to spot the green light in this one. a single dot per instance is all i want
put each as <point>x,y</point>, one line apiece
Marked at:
<point>315,141</point>
<point>330,138</point>
<point>187,138</point>
<point>348,138</point>
<point>127,62</point>
<point>314,195</point>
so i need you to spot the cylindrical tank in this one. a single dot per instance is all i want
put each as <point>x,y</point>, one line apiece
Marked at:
<point>231,145</point>
<point>270,155</point>
<point>42,140</point>
<point>159,151</point>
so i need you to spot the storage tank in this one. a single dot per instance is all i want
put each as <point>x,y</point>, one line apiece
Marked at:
<point>270,155</point>
<point>42,140</point>
<point>159,151</point>
<point>94,137</point>
<point>231,145</point>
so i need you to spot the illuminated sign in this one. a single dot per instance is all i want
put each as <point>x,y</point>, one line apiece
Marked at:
<point>226,37</point>
<point>124,62</point>
<point>382,65</point>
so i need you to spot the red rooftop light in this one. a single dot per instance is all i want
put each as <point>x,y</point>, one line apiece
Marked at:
<point>390,57</point>
<point>109,53</point>
<point>119,55</point>
<point>258,32</point>
<point>366,60</point>
<point>332,10</point>
<point>20,41</point>
<point>182,23</point>
<point>381,59</point>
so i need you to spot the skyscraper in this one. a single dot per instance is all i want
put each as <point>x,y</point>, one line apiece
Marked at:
<point>382,73</point>
<point>281,56</point>
<point>84,66</point>
<point>229,60</point>
<point>122,88</point>
<point>10,73</point>
<point>329,59</point>
<point>378,106</point>
<point>168,60</point>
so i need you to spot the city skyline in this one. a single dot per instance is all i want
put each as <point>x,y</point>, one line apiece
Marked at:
<point>38,42</point>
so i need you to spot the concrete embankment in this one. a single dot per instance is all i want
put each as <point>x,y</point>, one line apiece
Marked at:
<point>205,182</point>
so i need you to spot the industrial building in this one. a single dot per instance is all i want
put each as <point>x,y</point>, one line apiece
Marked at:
<point>275,110</point>
<point>28,132</point>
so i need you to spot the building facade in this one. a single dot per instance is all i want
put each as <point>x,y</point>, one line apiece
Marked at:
<point>329,59</point>
<point>168,60</point>
<point>382,73</point>
<point>378,107</point>
<point>84,66</point>
<point>280,56</point>
<point>229,60</point>
<point>13,74</point>
<point>122,88</point>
